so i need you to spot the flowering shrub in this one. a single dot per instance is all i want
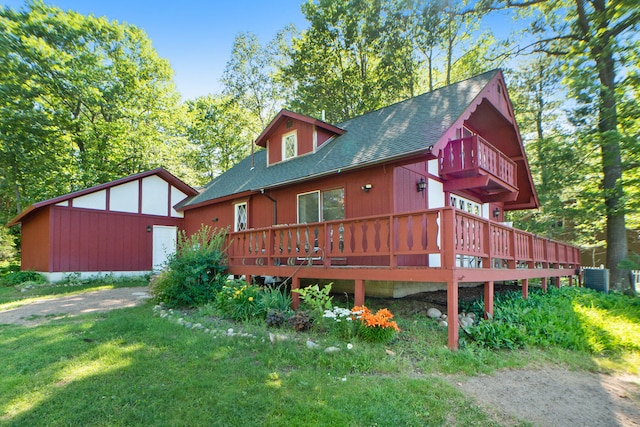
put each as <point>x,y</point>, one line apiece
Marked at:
<point>195,272</point>
<point>238,300</point>
<point>376,327</point>
<point>340,320</point>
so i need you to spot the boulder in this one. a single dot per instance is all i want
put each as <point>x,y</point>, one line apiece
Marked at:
<point>434,313</point>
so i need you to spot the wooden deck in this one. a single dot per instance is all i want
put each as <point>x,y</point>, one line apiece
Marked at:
<point>438,245</point>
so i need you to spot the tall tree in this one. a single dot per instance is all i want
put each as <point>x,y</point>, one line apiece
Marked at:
<point>250,77</point>
<point>84,100</point>
<point>219,133</point>
<point>346,63</point>
<point>597,39</point>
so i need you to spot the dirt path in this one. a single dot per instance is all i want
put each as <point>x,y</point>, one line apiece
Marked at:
<point>553,396</point>
<point>41,310</point>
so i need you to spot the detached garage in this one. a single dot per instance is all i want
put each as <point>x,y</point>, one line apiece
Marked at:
<point>124,227</point>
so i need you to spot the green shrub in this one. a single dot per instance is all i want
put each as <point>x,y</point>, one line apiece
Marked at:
<point>194,273</point>
<point>18,277</point>
<point>238,300</point>
<point>571,317</point>
<point>315,299</point>
<point>274,298</point>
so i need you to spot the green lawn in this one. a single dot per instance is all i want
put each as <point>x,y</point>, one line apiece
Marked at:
<point>132,367</point>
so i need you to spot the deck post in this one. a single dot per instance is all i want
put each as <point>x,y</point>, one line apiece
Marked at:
<point>452,313</point>
<point>488,300</point>
<point>544,284</point>
<point>570,280</point>
<point>295,297</point>
<point>525,288</point>
<point>359,292</point>
<point>249,279</point>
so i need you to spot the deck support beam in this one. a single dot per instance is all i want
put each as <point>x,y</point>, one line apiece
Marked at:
<point>488,300</point>
<point>544,284</point>
<point>452,313</point>
<point>295,297</point>
<point>525,288</point>
<point>359,292</point>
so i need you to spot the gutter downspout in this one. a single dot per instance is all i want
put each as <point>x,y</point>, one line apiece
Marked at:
<point>275,206</point>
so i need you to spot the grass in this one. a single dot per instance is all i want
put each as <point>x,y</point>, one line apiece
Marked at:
<point>129,367</point>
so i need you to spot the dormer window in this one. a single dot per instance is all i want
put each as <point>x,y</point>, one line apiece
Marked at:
<point>289,145</point>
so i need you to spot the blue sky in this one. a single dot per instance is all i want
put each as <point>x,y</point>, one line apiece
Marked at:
<point>196,36</point>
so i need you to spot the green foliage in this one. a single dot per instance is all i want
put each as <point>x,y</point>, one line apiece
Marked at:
<point>20,277</point>
<point>315,299</point>
<point>84,100</point>
<point>241,301</point>
<point>219,131</point>
<point>194,273</point>
<point>352,59</point>
<point>238,300</point>
<point>274,298</point>
<point>570,317</point>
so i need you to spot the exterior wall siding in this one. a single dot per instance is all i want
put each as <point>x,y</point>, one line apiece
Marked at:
<point>89,240</point>
<point>35,242</point>
<point>304,135</point>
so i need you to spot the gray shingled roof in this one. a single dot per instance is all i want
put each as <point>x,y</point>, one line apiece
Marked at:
<point>392,132</point>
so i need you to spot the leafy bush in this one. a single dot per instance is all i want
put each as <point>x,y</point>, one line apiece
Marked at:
<point>18,277</point>
<point>301,321</point>
<point>241,301</point>
<point>238,300</point>
<point>275,318</point>
<point>315,299</point>
<point>570,317</point>
<point>194,274</point>
<point>274,298</point>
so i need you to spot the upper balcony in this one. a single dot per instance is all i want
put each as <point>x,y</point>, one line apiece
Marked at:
<point>473,164</point>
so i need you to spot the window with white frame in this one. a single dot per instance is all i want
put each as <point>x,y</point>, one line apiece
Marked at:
<point>319,206</point>
<point>465,204</point>
<point>240,216</point>
<point>289,145</point>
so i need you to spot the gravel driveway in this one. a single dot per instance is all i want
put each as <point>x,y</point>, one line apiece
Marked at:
<point>40,310</point>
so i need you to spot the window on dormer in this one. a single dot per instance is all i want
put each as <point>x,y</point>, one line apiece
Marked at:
<point>289,145</point>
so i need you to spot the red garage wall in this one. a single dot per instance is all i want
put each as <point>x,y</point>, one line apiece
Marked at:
<point>93,240</point>
<point>35,252</point>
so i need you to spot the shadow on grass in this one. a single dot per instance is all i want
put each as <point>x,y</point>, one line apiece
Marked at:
<point>129,368</point>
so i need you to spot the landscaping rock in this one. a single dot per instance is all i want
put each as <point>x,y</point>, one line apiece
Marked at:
<point>311,344</point>
<point>443,323</point>
<point>434,313</point>
<point>332,350</point>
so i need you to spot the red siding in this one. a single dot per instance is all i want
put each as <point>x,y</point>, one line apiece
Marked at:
<point>195,218</point>
<point>358,203</point>
<point>35,241</point>
<point>304,135</point>
<point>93,240</point>
<point>323,136</point>
<point>407,197</point>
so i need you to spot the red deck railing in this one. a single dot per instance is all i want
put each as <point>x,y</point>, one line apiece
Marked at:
<point>398,240</point>
<point>464,157</point>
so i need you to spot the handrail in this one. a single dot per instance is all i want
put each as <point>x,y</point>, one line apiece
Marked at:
<point>408,239</point>
<point>464,156</point>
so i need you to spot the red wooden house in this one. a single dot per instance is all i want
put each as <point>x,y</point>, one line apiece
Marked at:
<point>125,227</point>
<point>404,199</point>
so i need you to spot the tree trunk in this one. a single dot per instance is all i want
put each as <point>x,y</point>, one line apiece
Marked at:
<point>612,169</point>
